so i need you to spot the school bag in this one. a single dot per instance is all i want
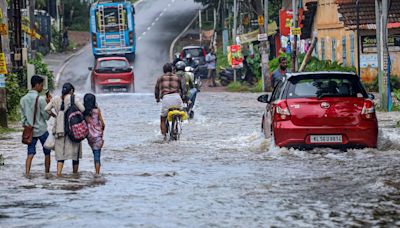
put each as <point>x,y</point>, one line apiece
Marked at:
<point>75,124</point>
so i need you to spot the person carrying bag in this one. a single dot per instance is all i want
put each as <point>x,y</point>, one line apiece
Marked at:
<point>34,122</point>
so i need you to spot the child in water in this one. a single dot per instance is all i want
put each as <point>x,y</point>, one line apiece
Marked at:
<point>96,126</point>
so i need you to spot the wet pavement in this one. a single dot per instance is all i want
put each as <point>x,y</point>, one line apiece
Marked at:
<point>222,173</point>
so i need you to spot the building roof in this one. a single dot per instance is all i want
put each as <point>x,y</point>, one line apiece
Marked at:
<point>347,8</point>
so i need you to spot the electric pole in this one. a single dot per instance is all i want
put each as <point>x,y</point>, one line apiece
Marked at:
<point>3,95</point>
<point>265,52</point>
<point>294,50</point>
<point>381,12</point>
<point>235,15</point>
<point>31,11</point>
<point>17,32</point>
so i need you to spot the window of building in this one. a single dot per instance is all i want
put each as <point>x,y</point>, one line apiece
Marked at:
<point>333,49</point>
<point>344,51</point>
<point>352,49</point>
<point>322,49</point>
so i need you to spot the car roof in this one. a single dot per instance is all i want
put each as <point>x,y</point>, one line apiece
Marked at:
<point>290,75</point>
<point>191,47</point>
<point>112,58</point>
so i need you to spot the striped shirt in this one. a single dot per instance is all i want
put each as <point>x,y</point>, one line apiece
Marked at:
<point>167,84</point>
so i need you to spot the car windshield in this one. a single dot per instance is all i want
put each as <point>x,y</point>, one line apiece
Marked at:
<point>195,52</point>
<point>113,64</point>
<point>318,86</point>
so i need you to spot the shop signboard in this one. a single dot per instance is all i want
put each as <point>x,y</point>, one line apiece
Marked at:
<point>286,21</point>
<point>369,43</point>
<point>236,56</point>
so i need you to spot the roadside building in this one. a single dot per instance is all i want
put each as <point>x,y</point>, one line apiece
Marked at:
<point>335,25</point>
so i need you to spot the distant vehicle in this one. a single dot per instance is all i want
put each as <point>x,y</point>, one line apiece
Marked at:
<point>197,53</point>
<point>112,73</point>
<point>320,109</point>
<point>112,29</point>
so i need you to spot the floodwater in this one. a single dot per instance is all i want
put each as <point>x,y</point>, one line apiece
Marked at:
<point>222,173</point>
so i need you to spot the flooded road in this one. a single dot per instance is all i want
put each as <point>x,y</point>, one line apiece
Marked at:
<point>221,173</point>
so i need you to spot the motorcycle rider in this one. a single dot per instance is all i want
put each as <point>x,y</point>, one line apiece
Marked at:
<point>189,86</point>
<point>170,91</point>
<point>176,59</point>
<point>189,60</point>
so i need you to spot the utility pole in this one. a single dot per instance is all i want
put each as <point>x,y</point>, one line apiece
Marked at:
<point>31,13</point>
<point>17,39</point>
<point>358,39</point>
<point>294,50</point>
<point>3,95</point>
<point>265,52</point>
<point>381,12</point>
<point>235,15</point>
<point>200,32</point>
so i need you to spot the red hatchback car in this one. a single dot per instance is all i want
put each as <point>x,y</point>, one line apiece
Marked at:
<point>112,73</point>
<point>320,109</point>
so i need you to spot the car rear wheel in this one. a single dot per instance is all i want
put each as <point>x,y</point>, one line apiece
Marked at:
<point>131,88</point>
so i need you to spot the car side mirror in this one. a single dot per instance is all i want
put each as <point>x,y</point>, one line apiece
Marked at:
<point>371,96</point>
<point>263,98</point>
<point>90,68</point>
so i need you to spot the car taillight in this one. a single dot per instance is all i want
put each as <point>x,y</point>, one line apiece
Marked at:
<point>282,112</point>
<point>94,39</point>
<point>181,56</point>
<point>368,110</point>
<point>204,53</point>
<point>131,38</point>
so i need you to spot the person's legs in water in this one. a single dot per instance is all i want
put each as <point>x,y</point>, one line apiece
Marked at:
<point>163,126</point>
<point>75,166</point>
<point>60,165</point>
<point>46,152</point>
<point>96,156</point>
<point>213,75</point>
<point>209,78</point>
<point>192,96</point>
<point>31,154</point>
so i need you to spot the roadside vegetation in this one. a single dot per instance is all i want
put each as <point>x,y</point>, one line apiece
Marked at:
<point>314,65</point>
<point>17,85</point>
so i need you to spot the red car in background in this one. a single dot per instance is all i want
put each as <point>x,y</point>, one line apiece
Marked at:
<point>320,109</point>
<point>112,73</point>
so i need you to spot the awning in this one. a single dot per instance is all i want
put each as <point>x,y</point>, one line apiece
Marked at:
<point>253,36</point>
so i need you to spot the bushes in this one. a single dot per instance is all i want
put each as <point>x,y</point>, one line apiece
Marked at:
<point>14,94</point>
<point>374,86</point>
<point>41,68</point>
<point>16,85</point>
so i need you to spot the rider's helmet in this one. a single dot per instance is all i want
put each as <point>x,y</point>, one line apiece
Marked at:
<point>180,66</point>
<point>189,56</point>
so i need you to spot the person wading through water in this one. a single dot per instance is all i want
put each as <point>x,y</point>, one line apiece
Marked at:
<point>65,148</point>
<point>33,114</point>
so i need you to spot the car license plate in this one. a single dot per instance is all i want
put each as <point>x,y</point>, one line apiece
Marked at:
<point>326,139</point>
<point>114,80</point>
<point>112,36</point>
